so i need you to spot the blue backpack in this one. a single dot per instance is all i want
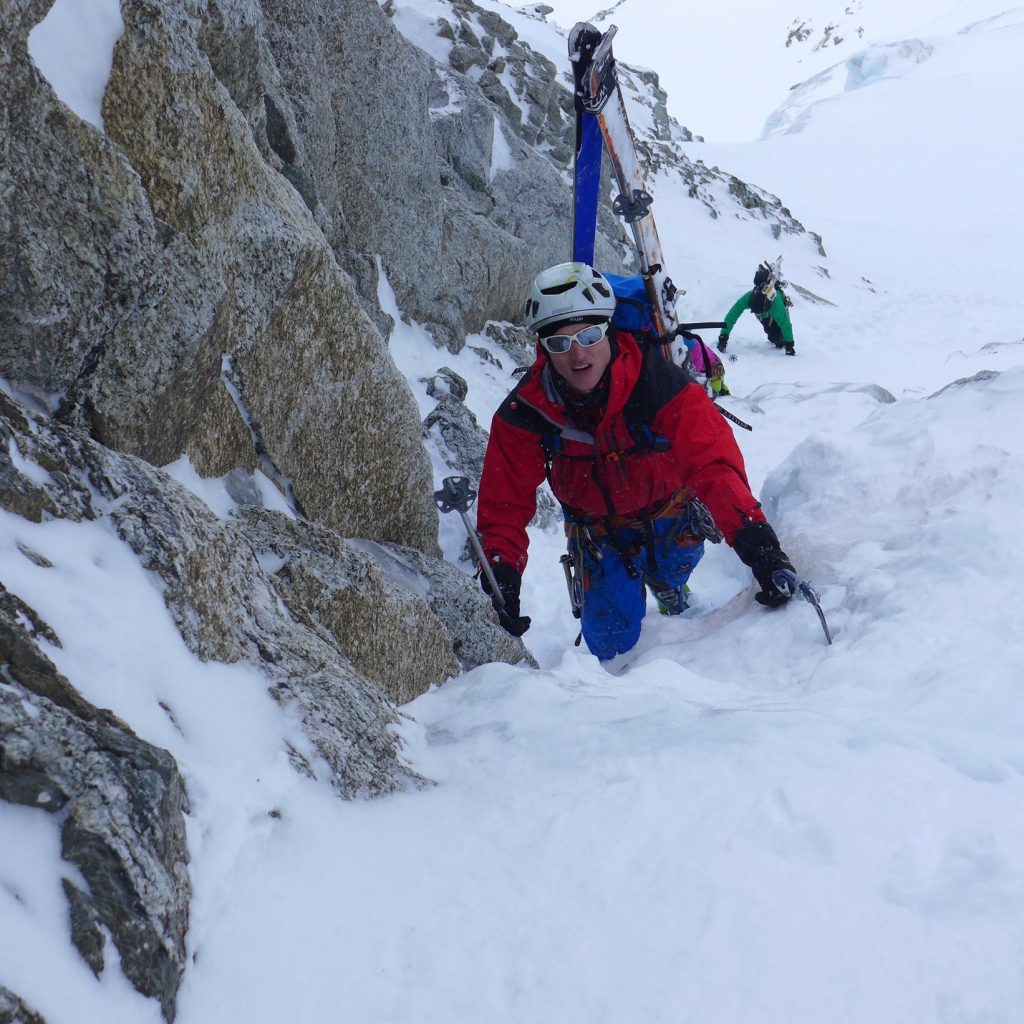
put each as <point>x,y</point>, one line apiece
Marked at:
<point>632,310</point>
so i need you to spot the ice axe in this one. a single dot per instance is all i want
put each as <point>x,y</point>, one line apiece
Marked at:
<point>787,582</point>
<point>456,495</point>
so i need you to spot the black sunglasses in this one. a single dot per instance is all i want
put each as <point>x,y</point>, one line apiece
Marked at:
<point>557,344</point>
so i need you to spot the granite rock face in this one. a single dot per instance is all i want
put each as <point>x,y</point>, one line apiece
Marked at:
<point>407,620</point>
<point>536,98</point>
<point>167,283</point>
<point>340,627</point>
<point>14,1010</point>
<point>122,802</point>
<point>425,163</point>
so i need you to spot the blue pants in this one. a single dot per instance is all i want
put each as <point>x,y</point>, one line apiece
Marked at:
<point>614,601</point>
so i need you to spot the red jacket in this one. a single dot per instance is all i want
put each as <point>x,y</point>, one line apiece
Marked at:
<point>609,472</point>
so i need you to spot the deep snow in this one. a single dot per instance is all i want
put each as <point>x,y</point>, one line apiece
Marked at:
<point>732,823</point>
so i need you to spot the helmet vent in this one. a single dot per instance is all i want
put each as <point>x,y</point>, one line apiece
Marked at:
<point>558,289</point>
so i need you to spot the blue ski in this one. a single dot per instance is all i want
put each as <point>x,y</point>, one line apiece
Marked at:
<point>586,180</point>
<point>586,187</point>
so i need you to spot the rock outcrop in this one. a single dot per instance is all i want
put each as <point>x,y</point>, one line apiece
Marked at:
<point>341,630</point>
<point>122,803</point>
<point>169,283</point>
<point>14,1010</point>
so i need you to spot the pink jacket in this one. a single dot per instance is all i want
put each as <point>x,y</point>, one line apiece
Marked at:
<point>704,359</point>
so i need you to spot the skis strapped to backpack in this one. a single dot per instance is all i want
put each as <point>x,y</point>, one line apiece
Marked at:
<point>645,303</point>
<point>772,273</point>
<point>599,102</point>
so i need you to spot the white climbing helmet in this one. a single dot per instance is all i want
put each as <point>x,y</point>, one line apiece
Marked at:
<point>567,294</point>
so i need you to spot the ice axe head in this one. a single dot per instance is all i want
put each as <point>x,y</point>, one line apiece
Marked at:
<point>788,583</point>
<point>455,494</point>
<point>785,581</point>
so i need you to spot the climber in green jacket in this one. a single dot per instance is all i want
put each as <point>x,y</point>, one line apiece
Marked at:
<point>768,303</point>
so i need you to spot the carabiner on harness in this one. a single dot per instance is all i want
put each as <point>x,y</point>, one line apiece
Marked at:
<point>573,585</point>
<point>702,523</point>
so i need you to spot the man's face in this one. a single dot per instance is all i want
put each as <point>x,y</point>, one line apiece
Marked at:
<point>582,367</point>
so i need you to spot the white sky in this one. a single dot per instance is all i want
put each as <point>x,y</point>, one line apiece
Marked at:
<point>734,822</point>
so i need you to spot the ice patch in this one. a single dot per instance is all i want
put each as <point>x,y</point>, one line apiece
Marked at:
<point>866,67</point>
<point>501,153</point>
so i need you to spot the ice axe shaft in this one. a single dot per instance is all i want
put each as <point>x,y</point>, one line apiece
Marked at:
<point>496,596</point>
<point>455,495</point>
<point>789,583</point>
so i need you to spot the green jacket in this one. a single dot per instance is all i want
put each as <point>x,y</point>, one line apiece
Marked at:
<point>776,311</point>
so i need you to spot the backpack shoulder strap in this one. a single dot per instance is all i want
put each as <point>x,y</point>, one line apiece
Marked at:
<point>706,355</point>
<point>659,382</point>
<point>519,413</point>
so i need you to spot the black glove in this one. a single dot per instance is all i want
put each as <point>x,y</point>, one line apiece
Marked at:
<point>758,546</point>
<point>509,581</point>
<point>723,342</point>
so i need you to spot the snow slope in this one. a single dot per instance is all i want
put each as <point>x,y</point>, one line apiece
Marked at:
<point>726,66</point>
<point>733,823</point>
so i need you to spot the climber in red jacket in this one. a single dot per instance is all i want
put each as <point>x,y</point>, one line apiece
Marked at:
<point>636,454</point>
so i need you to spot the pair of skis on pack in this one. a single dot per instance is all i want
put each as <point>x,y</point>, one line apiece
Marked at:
<point>601,121</point>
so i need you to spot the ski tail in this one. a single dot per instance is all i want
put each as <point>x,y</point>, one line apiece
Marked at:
<point>590,51</point>
<point>775,274</point>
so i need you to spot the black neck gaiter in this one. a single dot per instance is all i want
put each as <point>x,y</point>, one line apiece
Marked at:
<point>585,410</point>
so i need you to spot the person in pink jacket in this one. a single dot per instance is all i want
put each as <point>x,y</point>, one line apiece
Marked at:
<point>704,361</point>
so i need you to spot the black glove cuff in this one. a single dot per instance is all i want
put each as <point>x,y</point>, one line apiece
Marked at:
<point>756,541</point>
<point>509,583</point>
<point>516,625</point>
<point>508,579</point>
<point>758,547</point>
